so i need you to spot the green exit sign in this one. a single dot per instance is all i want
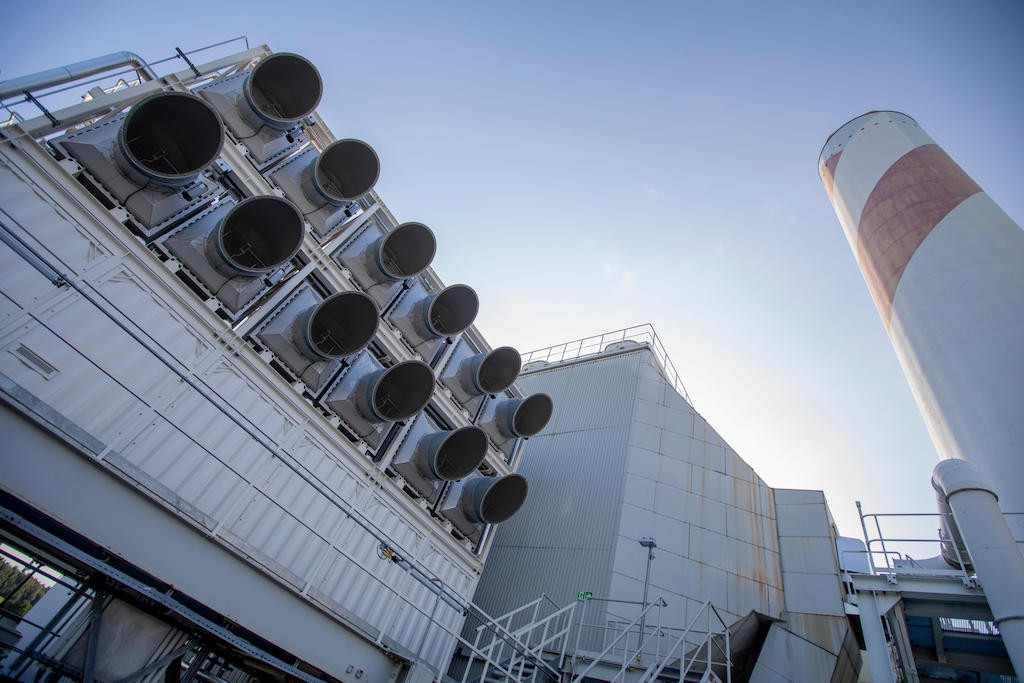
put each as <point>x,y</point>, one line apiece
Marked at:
<point>584,595</point>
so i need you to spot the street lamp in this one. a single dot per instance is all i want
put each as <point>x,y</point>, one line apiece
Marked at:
<point>649,543</point>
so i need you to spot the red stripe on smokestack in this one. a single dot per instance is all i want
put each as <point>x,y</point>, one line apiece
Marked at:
<point>828,171</point>
<point>909,200</point>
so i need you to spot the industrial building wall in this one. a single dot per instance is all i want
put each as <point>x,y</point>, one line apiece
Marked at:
<point>183,385</point>
<point>564,537</point>
<point>127,403</point>
<point>627,457</point>
<point>711,515</point>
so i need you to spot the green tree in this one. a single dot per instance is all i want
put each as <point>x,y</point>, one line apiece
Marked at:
<point>18,589</point>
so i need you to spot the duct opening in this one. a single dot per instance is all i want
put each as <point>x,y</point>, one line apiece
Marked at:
<point>283,88</point>
<point>341,325</point>
<point>452,310</point>
<point>532,415</point>
<point>502,499</point>
<point>402,391</point>
<point>498,370</point>
<point>406,251</point>
<point>459,453</point>
<point>170,137</point>
<point>259,234</point>
<point>345,171</point>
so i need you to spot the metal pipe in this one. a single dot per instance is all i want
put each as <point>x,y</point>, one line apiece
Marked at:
<point>948,260</point>
<point>990,542</point>
<point>73,72</point>
<point>952,548</point>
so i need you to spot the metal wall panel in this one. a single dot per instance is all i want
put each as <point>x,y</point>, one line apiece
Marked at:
<point>626,457</point>
<point>23,206</point>
<point>561,541</point>
<point>176,432</point>
<point>125,362</point>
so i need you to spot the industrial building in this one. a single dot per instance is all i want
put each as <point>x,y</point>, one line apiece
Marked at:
<point>251,434</point>
<point>629,481</point>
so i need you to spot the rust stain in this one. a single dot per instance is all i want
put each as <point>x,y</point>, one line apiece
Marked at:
<point>828,172</point>
<point>910,199</point>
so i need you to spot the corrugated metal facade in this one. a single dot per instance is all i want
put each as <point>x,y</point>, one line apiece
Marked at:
<point>563,539</point>
<point>140,375</point>
<point>627,457</point>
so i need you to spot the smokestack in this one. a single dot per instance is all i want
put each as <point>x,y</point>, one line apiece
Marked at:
<point>945,266</point>
<point>168,138</point>
<point>994,552</point>
<point>281,90</point>
<point>339,326</point>
<point>952,548</point>
<point>256,236</point>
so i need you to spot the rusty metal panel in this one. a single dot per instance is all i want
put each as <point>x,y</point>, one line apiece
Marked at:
<point>626,457</point>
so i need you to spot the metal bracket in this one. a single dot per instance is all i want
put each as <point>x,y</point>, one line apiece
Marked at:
<point>188,61</point>
<point>46,112</point>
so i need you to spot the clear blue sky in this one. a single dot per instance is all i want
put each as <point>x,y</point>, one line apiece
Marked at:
<point>592,165</point>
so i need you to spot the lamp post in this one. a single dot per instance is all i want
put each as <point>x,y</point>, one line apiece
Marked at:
<point>649,543</point>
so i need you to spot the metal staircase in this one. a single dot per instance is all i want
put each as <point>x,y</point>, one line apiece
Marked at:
<point>541,641</point>
<point>513,647</point>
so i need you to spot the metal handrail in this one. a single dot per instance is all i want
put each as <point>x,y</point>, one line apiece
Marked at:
<point>654,670</point>
<point>47,123</point>
<point>518,640</point>
<point>521,608</point>
<point>872,544</point>
<point>595,344</point>
<point>659,602</point>
<point>142,65</point>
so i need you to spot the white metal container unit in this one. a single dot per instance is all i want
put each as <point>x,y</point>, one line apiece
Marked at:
<point>945,266</point>
<point>237,370</point>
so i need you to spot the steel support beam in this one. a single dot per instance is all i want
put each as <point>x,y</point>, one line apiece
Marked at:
<point>874,638</point>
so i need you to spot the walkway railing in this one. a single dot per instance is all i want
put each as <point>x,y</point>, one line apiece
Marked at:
<point>621,636</point>
<point>642,334</point>
<point>513,645</point>
<point>709,646</point>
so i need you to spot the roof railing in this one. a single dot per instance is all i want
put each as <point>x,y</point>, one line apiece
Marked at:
<point>597,344</point>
